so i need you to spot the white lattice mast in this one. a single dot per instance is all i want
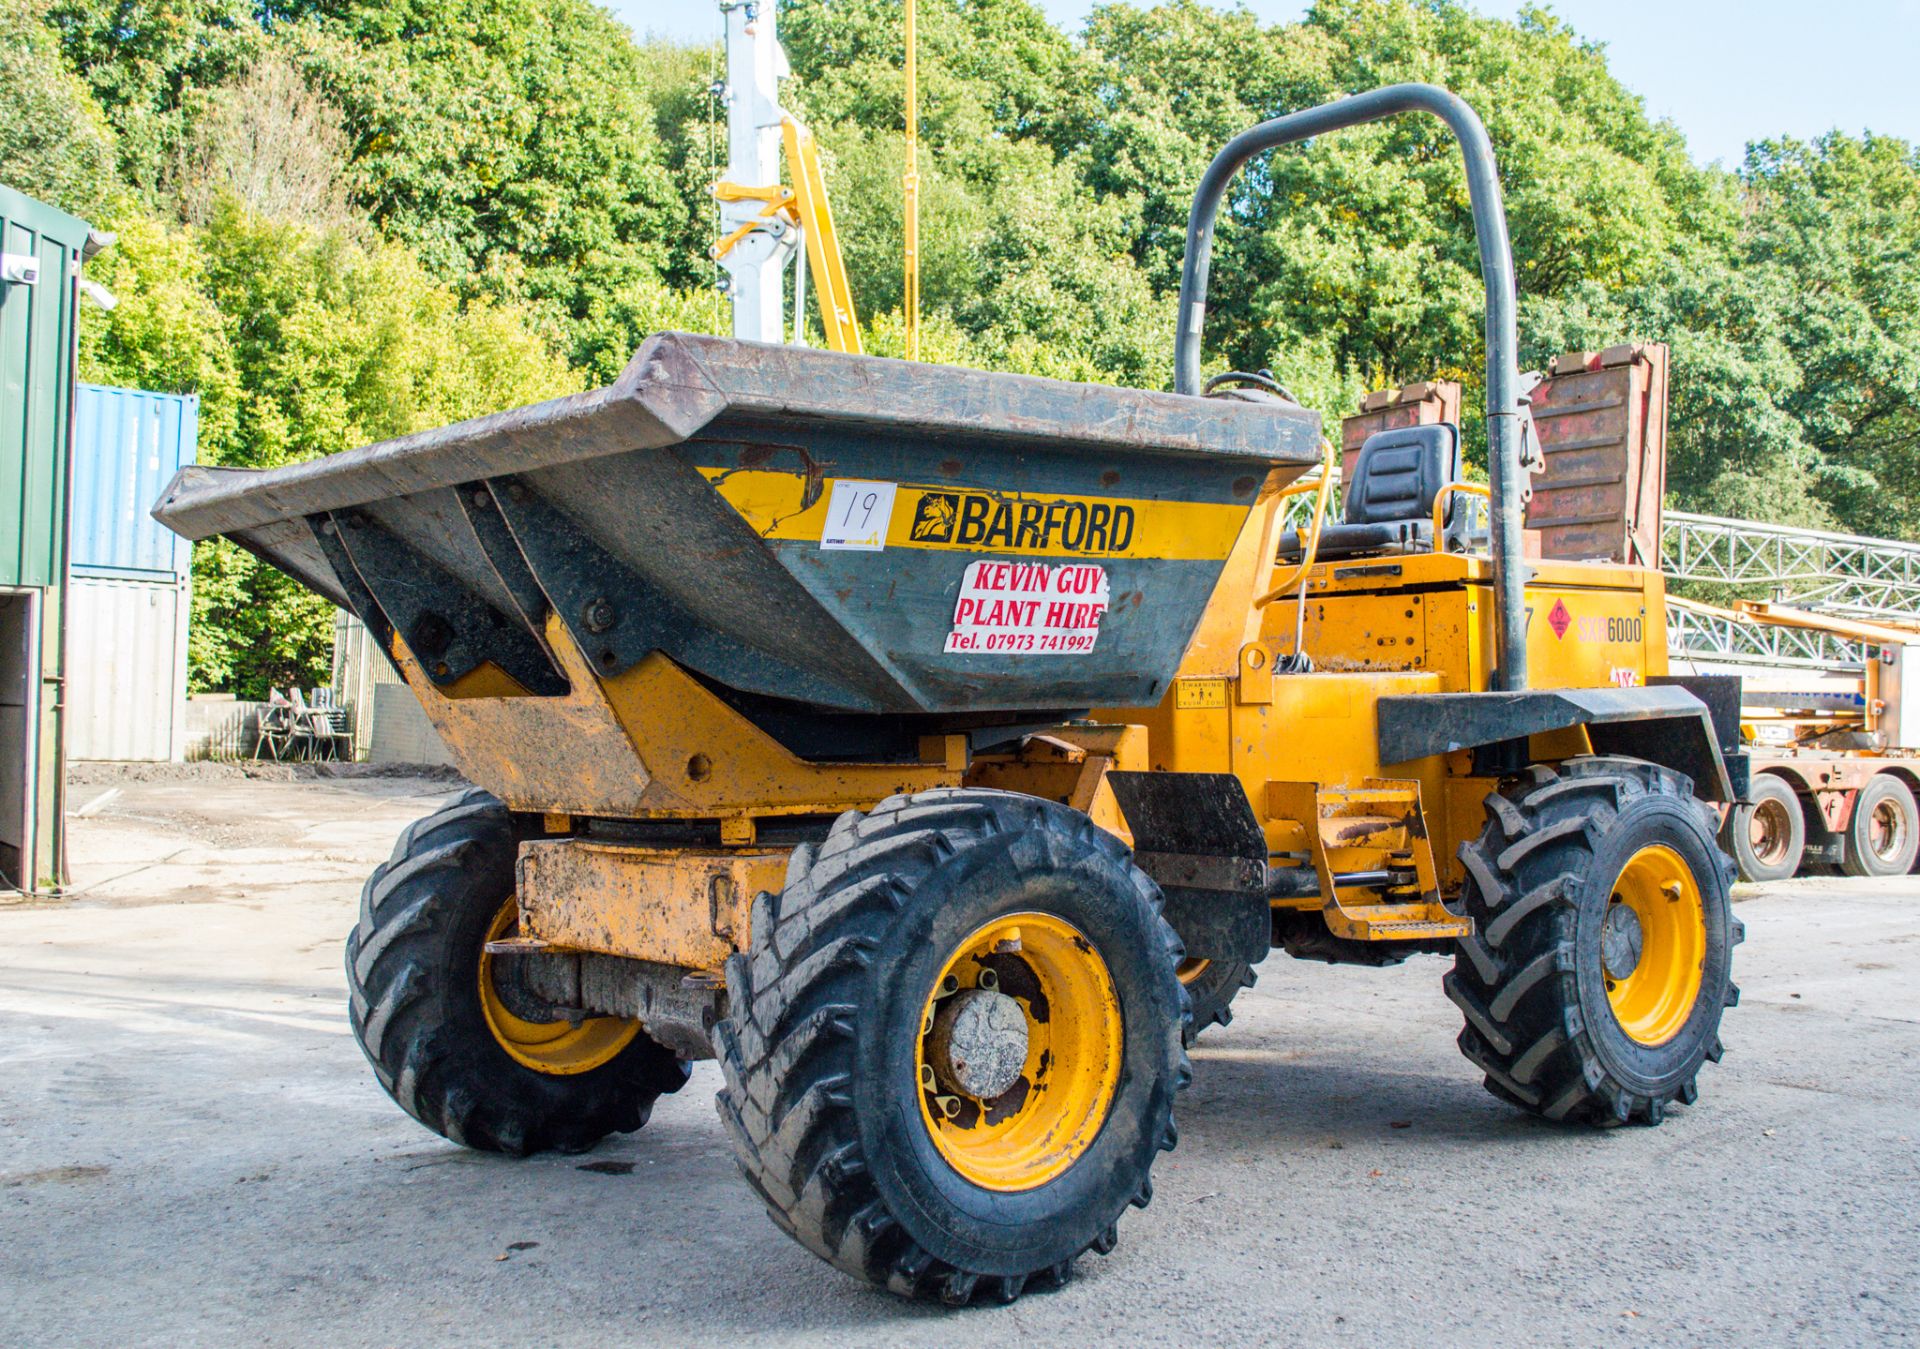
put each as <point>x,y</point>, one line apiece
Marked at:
<point>756,265</point>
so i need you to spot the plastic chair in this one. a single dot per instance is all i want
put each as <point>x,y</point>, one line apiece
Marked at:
<point>304,743</point>
<point>276,727</point>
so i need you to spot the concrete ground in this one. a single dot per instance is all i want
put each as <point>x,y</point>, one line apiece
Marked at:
<point>192,1150</point>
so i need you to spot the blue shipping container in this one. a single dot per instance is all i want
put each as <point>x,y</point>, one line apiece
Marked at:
<point>127,445</point>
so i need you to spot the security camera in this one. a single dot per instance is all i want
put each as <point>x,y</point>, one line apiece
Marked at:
<point>20,269</point>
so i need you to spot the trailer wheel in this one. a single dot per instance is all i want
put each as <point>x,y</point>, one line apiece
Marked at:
<point>1211,988</point>
<point>1883,833</point>
<point>440,1040</point>
<point>951,1057</point>
<point>1768,838</point>
<point>1601,957</point>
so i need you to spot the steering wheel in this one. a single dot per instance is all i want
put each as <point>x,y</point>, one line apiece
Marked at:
<point>1255,379</point>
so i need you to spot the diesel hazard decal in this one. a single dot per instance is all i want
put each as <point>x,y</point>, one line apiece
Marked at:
<point>1559,619</point>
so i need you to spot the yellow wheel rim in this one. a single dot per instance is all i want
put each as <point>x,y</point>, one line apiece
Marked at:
<point>1654,945</point>
<point>1037,1127</point>
<point>1189,970</point>
<point>557,1047</point>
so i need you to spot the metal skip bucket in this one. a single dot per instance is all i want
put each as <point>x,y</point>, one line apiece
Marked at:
<point>851,534</point>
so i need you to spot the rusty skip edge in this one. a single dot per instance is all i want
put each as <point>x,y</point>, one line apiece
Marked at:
<point>678,383</point>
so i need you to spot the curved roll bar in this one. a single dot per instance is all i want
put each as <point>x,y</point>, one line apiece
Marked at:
<point>1496,271</point>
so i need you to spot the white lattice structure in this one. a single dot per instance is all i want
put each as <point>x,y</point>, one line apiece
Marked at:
<point>1698,639</point>
<point>1846,574</point>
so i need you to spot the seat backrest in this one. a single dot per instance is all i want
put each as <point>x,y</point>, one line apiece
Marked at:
<point>1400,472</point>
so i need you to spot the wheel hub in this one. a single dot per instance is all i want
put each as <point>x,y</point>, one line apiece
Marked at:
<point>1769,831</point>
<point>1886,829</point>
<point>1621,941</point>
<point>979,1043</point>
<point>558,1048</point>
<point>1019,1051</point>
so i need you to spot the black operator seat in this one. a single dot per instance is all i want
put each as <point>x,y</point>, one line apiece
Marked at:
<point>1389,500</point>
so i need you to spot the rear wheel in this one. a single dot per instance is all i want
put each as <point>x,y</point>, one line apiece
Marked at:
<point>441,1040</point>
<point>1211,988</point>
<point>1883,834</point>
<point>1768,836</point>
<point>951,1057</point>
<point>1600,961</point>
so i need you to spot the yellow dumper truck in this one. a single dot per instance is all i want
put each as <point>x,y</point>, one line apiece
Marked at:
<point>940,750</point>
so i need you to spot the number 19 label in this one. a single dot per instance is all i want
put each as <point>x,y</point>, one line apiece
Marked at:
<point>858,514</point>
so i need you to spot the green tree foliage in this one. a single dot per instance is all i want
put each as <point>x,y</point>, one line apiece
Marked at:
<point>299,342</point>
<point>144,60</point>
<point>509,142</point>
<point>55,143</point>
<point>1796,342</point>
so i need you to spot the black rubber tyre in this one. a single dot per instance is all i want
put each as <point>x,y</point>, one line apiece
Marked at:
<point>1211,989</point>
<point>1883,833</point>
<point>413,972</point>
<point>1530,981</point>
<point>821,1102</point>
<point>1775,813</point>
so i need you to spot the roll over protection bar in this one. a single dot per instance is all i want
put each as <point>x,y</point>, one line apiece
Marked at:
<point>1496,271</point>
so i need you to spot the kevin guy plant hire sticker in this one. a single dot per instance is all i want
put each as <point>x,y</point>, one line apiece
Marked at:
<point>1022,608</point>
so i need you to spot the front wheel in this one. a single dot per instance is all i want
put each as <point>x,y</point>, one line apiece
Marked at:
<point>440,1038</point>
<point>1601,956</point>
<point>951,1057</point>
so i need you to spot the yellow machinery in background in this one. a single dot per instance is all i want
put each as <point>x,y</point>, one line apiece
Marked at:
<point>940,751</point>
<point>803,206</point>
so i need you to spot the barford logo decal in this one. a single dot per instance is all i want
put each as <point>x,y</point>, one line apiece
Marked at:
<point>974,519</point>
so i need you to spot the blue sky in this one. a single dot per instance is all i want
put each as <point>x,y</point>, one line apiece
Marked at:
<point>1725,71</point>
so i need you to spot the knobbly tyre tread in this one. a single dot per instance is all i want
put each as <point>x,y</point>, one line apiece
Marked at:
<point>1514,978</point>
<point>414,1007</point>
<point>1211,994</point>
<point>786,1047</point>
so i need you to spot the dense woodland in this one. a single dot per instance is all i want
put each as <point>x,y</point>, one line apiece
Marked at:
<point>341,220</point>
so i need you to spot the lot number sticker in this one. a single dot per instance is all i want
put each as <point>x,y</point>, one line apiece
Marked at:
<point>1029,608</point>
<point>858,514</point>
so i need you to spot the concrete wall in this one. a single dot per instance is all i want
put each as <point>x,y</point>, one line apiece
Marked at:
<point>219,726</point>
<point>400,731</point>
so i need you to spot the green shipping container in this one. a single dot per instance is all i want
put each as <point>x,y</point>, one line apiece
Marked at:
<point>41,250</point>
